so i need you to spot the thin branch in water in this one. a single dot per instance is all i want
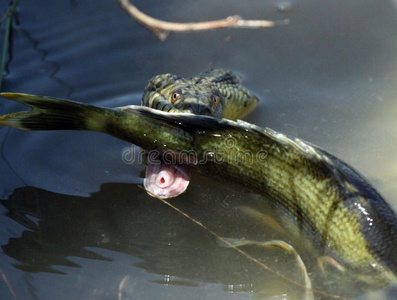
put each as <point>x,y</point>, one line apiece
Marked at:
<point>8,17</point>
<point>249,257</point>
<point>4,277</point>
<point>162,28</point>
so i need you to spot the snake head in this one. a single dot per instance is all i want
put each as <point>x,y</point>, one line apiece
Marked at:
<point>168,92</point>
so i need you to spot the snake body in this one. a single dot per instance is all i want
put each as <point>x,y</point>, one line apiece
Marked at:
<point>327,199</point>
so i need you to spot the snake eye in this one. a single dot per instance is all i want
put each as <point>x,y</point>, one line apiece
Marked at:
<point>175,96</point>
<point>215,99</point>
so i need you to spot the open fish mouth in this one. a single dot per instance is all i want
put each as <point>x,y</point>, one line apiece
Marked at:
<point>166,180</point>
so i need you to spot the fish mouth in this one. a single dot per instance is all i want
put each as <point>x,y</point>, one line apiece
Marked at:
<point>164,180</point>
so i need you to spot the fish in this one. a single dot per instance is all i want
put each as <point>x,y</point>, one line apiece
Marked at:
<point>329,201</point>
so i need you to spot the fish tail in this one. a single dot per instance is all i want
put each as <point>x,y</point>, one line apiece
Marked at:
<point>53,114</point>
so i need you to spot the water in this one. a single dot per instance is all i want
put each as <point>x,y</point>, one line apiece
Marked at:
<point>75,224</point>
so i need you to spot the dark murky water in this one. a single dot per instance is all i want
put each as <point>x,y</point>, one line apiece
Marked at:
<point>75,224</point>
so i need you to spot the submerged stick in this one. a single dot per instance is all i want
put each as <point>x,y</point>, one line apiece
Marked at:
<point>229,243</point>
<point>9,14</point>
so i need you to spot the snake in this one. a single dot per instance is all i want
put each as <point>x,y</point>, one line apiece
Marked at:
<point>322,196</point>
<point>217,93</point>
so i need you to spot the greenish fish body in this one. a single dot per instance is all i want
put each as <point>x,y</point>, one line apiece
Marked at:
<point>334,203</point>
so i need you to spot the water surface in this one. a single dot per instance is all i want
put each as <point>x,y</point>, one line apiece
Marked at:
<point>76,224</point>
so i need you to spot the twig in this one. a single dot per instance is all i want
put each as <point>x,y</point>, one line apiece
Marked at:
<point>252,259</point>
<point>13,5</point>
<point>12,292</point>
<point>162,28</point>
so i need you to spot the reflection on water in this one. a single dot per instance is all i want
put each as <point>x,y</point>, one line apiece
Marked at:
<point>67,233</point>
<point>122,225</point>
<point>122,218</point>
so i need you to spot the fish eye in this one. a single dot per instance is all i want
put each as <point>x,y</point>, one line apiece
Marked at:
<point>175,96</point>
